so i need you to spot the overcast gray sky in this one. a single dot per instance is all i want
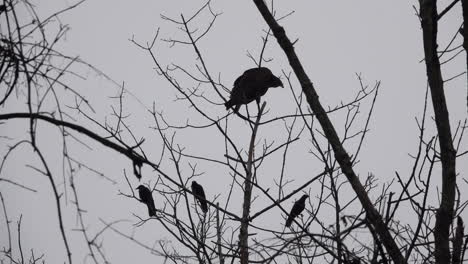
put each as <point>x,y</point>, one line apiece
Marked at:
<point>381,40</point>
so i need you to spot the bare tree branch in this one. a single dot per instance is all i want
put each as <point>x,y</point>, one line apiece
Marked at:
<point>340,153</point>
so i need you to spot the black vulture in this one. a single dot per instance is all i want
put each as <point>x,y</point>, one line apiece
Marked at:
<point>147,198</point>
<point>199,194</point>
<point>251,85</point>
<point>297,209</point>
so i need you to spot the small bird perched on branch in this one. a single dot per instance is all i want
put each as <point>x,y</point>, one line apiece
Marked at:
<point>252,85</point>
<point>199,194</point>
<point>147,198</point>
<point>297,209</point>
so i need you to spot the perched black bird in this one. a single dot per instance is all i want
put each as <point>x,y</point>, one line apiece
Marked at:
<point>251,85</point>
<point>147,198</point>
<point>199,193</point>
<point>297,209</point>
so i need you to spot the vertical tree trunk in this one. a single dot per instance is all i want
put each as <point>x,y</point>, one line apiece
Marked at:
<point>458,242</point>
<point>218,235</point>
<point>444,216</point>
<point>244,229</point>
<point>465,39</point>
<point>340,153</point>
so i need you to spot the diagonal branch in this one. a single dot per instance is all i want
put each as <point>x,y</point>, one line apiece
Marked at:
<point>465,38</point>
<point>130,153</point>
<point>340,153</point>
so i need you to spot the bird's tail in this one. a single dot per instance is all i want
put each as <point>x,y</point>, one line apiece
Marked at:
<point>289,221</point>
<point>204,205</point>
<point>151,210</point>
<point>229,104</point>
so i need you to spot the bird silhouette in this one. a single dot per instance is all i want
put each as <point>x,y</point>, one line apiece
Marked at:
<point>297,209</point>
<point>251,85</point>
<point>147,198</point>
<point>199,194</point>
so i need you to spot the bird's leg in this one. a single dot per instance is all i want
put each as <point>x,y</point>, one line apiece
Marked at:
<point>258,104</point>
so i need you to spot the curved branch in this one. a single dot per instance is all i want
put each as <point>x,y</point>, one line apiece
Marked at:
<point>130,153</point>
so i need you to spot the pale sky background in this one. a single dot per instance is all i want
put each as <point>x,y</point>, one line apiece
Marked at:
<point>382,40</point>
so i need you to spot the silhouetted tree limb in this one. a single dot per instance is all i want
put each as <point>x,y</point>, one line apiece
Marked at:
<point>58,203</point>
<point>464,32</point>
<point>244,228</point>
<point>129,152</point>
<point>458,242</point>
<point>340,153</point>
<point>448,8</point>
<point>444,216</point>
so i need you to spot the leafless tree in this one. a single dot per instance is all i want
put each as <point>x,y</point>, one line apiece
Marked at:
<point>348,219</point>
